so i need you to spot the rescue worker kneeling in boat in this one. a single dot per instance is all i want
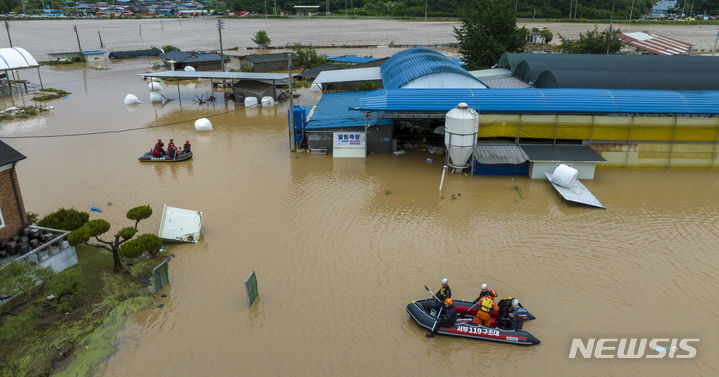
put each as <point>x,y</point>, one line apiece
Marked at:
<point>511,313</point>
<point>448,317</point>
<point>443,293</point>
<point>486,306</point>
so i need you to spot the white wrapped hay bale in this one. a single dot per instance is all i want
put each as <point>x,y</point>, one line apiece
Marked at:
<point>132,99</point>
<point>189,68</point>
<point>155,97</point>
<point>564,175</point>
<point>250,101</point>
<point>316,87</point>
<point>268,101</point>
<point>202,125</point>
<point>154,86</point>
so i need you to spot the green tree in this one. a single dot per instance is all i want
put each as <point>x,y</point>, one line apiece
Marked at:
<point>307,57</point>
<point>168,48</point>
<point>261,39</point>
<point>65,219</point>
<point>487,31</point>
<point>592,42</point>
<point>546,35</point>
<point>122,245</point>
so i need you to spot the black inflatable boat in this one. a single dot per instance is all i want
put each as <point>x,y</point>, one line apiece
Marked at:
<point>147,157</point>
<point>420,311</point>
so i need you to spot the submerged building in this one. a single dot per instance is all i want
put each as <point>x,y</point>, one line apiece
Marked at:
<point>637,127</point>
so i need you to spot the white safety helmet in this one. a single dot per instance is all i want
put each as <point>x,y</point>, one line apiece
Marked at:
<point>515,303</point>
<point>484,286</point>
<point>445,281</point>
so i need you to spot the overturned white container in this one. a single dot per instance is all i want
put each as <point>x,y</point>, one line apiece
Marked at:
<point>154,86</point>
<point>203,124</point>
<point>268,101</point>
<point>189,68</point>
<point>461,125</point>
<point>180,224</point>
<point>131,99</point>
<point>564,175</point>
<point>250,101</point>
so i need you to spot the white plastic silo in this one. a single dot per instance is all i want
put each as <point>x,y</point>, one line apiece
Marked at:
<point>461,125</point>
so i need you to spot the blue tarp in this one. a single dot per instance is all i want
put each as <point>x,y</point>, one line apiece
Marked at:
<point>547,101</point>
<point>333,111</point>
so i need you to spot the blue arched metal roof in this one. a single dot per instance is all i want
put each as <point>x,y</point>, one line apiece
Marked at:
<point>412,63</point>
<point>547,101</point>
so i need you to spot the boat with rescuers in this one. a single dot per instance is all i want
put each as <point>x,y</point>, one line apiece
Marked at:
<point>422,312</point>
<point>147,157</point>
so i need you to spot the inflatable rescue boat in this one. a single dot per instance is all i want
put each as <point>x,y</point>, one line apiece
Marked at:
<point>421,312</point>
<point>147,157</point>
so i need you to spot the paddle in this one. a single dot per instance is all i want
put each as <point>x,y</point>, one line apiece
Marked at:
<point>436,321</point>
<point>430,292</point>
<point>470,308</point>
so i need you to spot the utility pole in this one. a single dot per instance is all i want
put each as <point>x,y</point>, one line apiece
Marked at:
<point>631,11</point>
<point>100,36</point>
<point>292,107</point>
<point>161,26</point>
<point>345,8</point>
<point>78,38</point>
<point>571,2</point>
<point>327,8</point>
<point>140,30</point>
<point>425,10</point>
<point>7,26</point>
<point>576,6</point>
<point>609,32</point>
<point>222,55</point>
<point>515,7</point>
<point>274,7</point>
<point>715,43</point>
<point>265,8</point>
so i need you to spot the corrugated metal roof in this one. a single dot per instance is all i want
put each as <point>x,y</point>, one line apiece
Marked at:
<point>499,78</point>
<point>350,59</point>
<point>497,154</point>
<point>656,44</point>
<point>16,58</point>
<point>333,111</point>
<point>548,152</point>
<point>346,75</point>
<point>191,57</point>
<point>572,101</point>
<point>217,75</point>
<point>412,63</point>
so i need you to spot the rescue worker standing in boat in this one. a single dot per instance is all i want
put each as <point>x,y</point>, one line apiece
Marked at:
<point>486,306</point>
<point>448,317</point>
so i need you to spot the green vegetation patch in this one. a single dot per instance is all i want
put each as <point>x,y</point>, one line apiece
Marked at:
<point>48,94</point>
<point>21,112</point>
<point>73,330</point>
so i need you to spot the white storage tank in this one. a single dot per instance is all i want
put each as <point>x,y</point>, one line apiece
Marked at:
<point>461,126</point>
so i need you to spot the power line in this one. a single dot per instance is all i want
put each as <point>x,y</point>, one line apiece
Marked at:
<point>115,131</point>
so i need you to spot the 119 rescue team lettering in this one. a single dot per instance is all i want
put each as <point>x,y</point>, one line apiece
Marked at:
<point>477,330</point>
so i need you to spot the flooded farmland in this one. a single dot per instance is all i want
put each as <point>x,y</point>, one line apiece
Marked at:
<point>340,247</point>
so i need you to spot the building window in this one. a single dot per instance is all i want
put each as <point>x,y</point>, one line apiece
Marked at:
<point>2,220</point>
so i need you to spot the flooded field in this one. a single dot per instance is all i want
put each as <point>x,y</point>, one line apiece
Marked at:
<point>41,37</point>
<point>340,247</point>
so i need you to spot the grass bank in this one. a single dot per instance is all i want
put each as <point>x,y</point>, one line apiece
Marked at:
<point>71,333</point>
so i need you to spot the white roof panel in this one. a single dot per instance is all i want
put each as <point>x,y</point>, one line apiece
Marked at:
<point>179,224</point>
<point>346,75</point>
<point>576,193</point>
<point>16,58</point>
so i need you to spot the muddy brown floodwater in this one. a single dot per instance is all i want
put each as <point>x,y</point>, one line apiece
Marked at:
<point>340,247</point>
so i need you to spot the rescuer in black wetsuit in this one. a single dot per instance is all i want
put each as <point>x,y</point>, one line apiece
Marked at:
<point>443,293</point>
<point>448,317</point>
